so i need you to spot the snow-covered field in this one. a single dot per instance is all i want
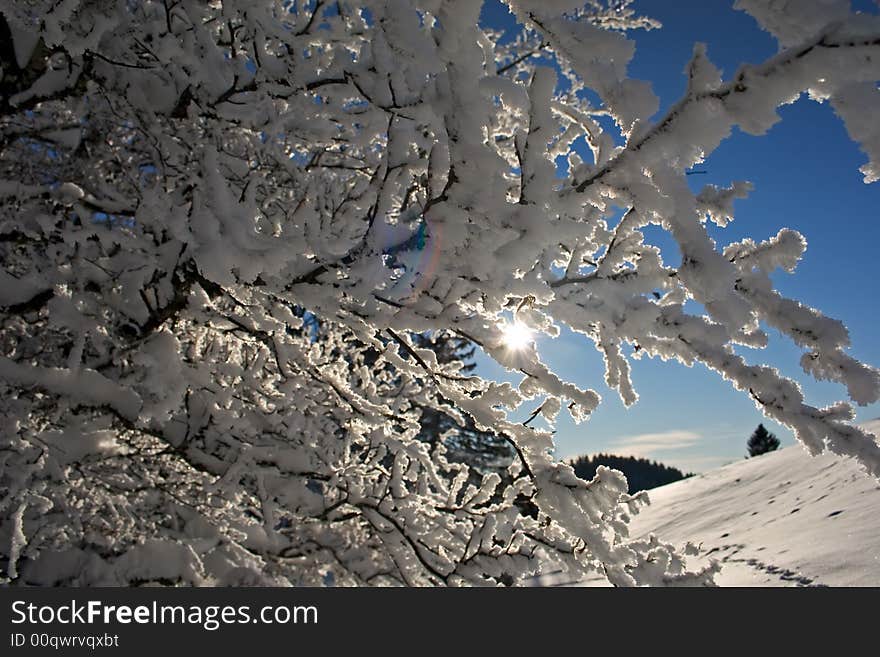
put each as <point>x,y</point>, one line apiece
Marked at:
<point>781,519</point>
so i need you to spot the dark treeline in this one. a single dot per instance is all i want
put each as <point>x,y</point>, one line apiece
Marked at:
<point>641,474</point>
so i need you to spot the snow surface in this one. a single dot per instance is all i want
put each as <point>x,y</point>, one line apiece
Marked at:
<point>780,519</point>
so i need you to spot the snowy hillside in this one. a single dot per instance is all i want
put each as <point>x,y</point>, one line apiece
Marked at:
<point>781,519</point>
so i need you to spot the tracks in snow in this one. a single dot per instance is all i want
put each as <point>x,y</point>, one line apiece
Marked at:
<point>786,575</point>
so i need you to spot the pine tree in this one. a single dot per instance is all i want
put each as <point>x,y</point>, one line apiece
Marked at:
<point>762,441</point>
<point>483,452</point>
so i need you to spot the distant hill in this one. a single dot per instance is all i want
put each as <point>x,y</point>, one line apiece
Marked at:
<point>641,474</point>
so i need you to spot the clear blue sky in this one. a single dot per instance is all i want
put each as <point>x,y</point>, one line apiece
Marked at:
<point>806,177</point>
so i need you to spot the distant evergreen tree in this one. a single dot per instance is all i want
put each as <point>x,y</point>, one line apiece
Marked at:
<point>641,474</point>
<point>482,451</point>
<point>762,441</point>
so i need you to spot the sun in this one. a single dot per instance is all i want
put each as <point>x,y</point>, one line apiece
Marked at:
<point>516,336</point>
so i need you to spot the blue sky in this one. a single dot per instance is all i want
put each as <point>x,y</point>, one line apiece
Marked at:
<point>806,177</point>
